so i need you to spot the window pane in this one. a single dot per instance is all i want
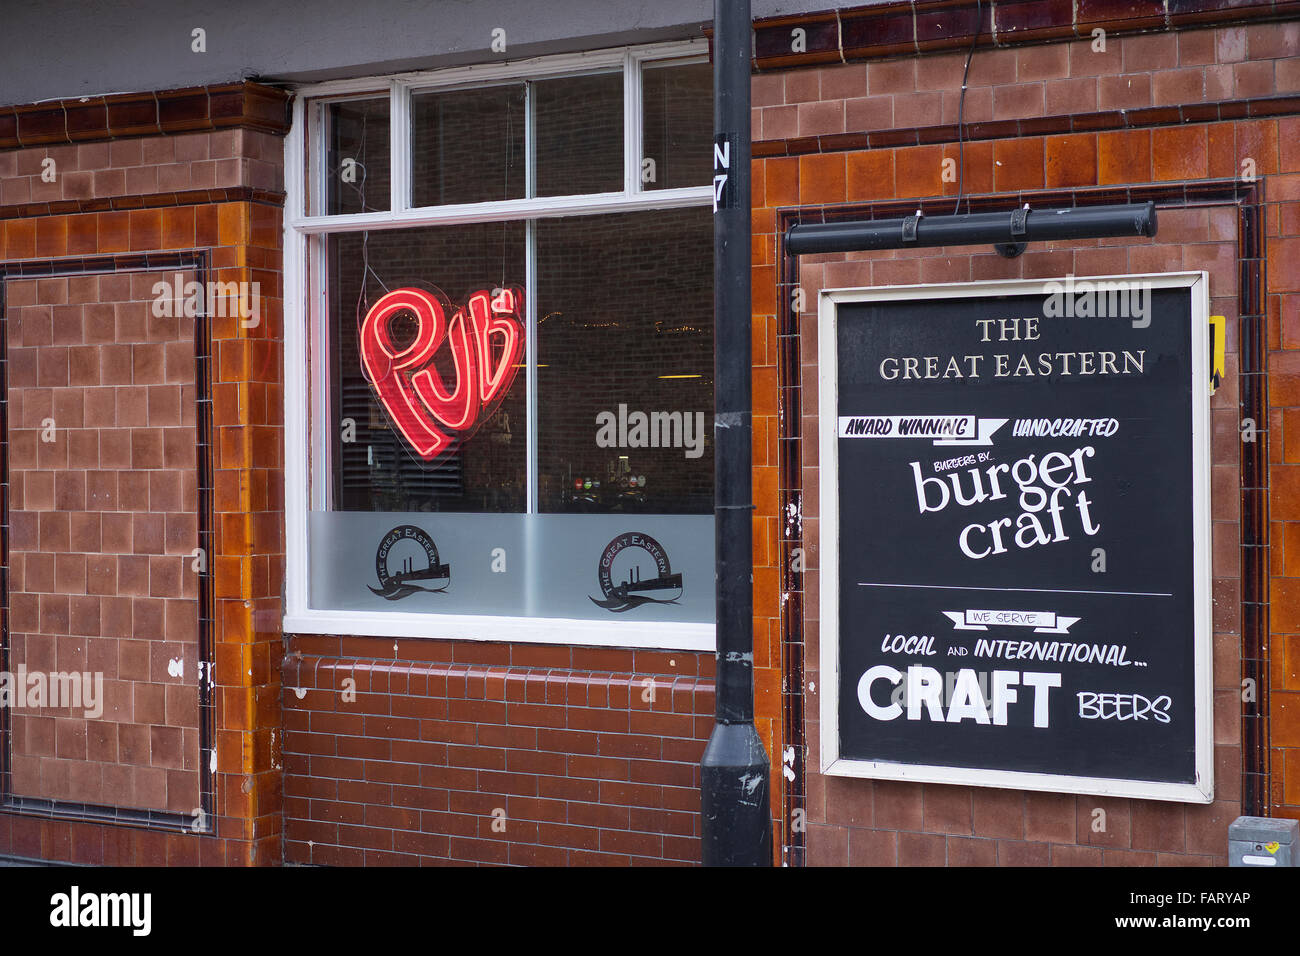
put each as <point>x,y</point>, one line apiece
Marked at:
<point>428,407</point>
<point>677,126</point>
<point>357,161</point>
<point>468,145</point>
<point>625,339</point>
<point>579,134</point>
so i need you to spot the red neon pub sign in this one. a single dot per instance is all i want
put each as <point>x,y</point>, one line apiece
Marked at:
<point>486,338</point>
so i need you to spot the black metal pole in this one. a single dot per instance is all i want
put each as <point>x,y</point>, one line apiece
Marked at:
<point>737,826</point>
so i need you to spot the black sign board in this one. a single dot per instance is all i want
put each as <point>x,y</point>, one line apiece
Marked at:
<point>1015,535</point>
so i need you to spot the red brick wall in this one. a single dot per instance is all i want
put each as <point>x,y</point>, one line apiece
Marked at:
<point>491,753</point>
<point>798,115</point>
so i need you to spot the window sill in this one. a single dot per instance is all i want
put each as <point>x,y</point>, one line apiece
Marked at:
<point>520,630</point>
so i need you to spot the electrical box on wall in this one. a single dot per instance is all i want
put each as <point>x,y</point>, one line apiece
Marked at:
<point>1262,841</point>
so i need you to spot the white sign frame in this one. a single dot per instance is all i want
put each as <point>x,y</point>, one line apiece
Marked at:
<point>832,763</point>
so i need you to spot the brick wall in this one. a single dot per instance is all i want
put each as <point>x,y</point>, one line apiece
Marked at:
<point>103,514</point>
<point>130,204</point>
<point>879,132</point>
<point>433,752</point>
<point>861,822</point>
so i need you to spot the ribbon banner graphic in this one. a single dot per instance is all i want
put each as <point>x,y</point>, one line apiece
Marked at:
<point>1043,622</point>
<point>940,429</point>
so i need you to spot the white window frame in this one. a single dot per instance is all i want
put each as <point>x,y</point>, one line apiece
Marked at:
<point>305,325</point>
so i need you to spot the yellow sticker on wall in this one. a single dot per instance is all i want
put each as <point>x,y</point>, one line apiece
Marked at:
<point>1218,332</point>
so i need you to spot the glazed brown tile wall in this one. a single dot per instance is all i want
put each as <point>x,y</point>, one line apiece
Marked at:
<point>1150,73</point>
<point>245,105</point>
<point>207,196</point>
<point>911,27</point>
<point>141,167</point>
<point>887,822</point>
<point>103,520</point>
<point>1230,182</point>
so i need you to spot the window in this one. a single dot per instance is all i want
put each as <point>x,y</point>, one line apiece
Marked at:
<point>499,330</point>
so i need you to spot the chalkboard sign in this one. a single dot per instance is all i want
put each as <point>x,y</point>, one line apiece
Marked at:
<point>1015,578</point>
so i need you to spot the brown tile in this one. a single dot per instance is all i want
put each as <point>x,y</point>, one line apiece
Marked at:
<point>114,231</point>
<point>1157,826</point>
<point>873,847</point>
<point>178,227</point>
<point>1050,817</point>
<point>70,491</point>
<point>898,805</point>
<point>1076,856</point>
<point>145,229</point>
<point>131,407</point>
<point>921,849</point>
<point>205,226</point>
<point>1150,53</point>
<point>70,574</point>
<point>1018,102</point>
<point>132,114</point>
<point>1124,92</point>
<point>133,575</point>
<point>1018,164</point>
<point>1071,160</point>
<point>1179,152</point>
<point>116,532</point>
<point>821,178</point>
<point>147,533</point>
<point>115,365</point>
<point>114,443</point>
<point>133,486</point>
<point>1124,156</point>
<point>101,576</point>
<point>147,364</point>
<point>82,235</point>
<point>947,809</point>
<point>870,175</point>
<point>919,171</point>
<point>1176,87</point>
<point>971,852</point>
<point>84,535</point>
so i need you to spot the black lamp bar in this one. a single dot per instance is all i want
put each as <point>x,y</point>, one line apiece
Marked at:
<point>1000,228</point>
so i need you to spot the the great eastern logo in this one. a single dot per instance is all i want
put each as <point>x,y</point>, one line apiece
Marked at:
<point>419,562</point>
<point>630,593</point>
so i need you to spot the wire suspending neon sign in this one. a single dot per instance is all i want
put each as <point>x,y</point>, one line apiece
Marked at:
<point>486,338</point>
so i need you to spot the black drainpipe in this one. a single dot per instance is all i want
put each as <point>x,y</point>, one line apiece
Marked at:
<point>736,825</point>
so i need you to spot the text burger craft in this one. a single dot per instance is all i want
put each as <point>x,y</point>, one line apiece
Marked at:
<point>1022,598</point>
<point>486,341</point>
